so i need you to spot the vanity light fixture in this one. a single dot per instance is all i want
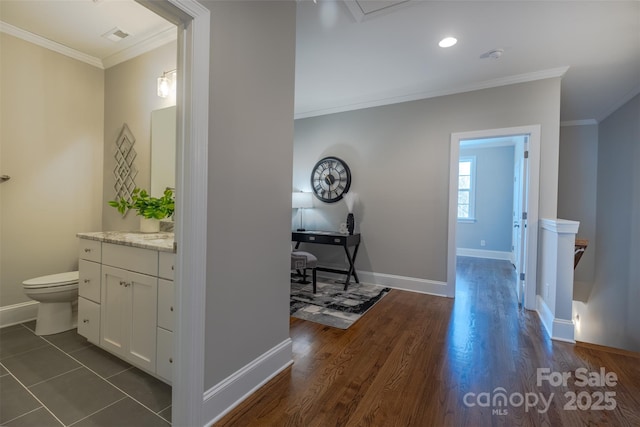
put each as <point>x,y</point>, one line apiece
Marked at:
<point>448,42</point>
<point>167,83</point>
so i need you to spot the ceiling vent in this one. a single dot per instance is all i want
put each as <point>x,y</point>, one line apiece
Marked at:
<point>115,34</point>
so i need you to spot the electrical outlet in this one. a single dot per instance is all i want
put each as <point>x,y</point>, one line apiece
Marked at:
<point>483,243</point>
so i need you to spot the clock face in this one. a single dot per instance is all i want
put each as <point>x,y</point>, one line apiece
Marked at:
<point>330,179</point>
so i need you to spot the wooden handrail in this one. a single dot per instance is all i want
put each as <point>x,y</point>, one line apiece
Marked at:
<point>581,246</point>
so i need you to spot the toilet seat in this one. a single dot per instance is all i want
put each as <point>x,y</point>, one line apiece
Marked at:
<point>52,280</point>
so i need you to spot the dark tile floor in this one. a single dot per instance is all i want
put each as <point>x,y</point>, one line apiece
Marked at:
<point>63,380</point>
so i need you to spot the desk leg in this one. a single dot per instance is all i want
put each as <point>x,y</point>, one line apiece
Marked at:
<point>352,267</point>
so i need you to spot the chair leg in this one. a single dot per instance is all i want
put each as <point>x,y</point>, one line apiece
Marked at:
<point>313,272</point>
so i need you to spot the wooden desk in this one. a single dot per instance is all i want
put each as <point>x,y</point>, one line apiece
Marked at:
<point>335,239</point>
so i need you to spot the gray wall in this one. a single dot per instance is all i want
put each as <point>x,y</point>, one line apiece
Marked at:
<point>249,182</point>
<point>399,157</point>
<point>494,201</point>
<point>130,97</point>
<point>51,145</point>
<point>577,181</point>
<point>611,316</point>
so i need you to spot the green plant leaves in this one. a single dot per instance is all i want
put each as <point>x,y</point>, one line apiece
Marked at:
<point>147,206</point>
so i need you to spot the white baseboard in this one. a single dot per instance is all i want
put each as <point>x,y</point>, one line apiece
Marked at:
<point>230,392</point>
<point>481,253</point>
<point>18,313</point>
<point>557,329</point>
<point>403,283</point>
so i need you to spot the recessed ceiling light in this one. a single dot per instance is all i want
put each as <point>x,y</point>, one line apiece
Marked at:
<point>448,42</point>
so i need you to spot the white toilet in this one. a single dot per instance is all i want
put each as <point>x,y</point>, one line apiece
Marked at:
<point>56,293</point>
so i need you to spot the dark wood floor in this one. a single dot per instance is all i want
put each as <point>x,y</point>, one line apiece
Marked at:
<point>413,359</point>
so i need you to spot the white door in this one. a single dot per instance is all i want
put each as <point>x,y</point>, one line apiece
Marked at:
<point>520,216</point>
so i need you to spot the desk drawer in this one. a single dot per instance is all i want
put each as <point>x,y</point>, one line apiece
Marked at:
<point>318,238</point>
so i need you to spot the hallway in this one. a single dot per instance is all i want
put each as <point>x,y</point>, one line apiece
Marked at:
<point>417,360</point>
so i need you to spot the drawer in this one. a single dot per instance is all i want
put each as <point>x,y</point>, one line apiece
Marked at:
<point>140,260</point>
<point>90,250</point>
<point>89,320</point>
<point>89,283</point>
<point>164,355</point>
<point>166,265</point>
<point>165,304</point>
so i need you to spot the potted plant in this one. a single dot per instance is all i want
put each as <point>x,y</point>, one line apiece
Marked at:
<point>150,209</point>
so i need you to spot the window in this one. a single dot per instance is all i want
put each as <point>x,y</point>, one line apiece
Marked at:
<point>466,188</point>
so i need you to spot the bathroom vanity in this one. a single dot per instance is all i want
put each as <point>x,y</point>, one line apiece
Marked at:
<point>126,296</point>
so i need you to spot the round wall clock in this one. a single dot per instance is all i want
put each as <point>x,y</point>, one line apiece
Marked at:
<point>330,179</point>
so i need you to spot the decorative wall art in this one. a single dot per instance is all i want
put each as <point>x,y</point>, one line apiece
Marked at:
<point>125,171</point>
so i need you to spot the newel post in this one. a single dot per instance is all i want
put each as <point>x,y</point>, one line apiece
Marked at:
<point>554,299</point>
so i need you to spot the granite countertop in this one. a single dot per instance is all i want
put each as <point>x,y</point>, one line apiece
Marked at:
<point>162,241</point>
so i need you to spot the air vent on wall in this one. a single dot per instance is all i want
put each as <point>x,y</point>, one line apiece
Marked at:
<point>115,34</point>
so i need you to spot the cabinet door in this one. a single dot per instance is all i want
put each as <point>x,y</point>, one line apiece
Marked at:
<point>165,304</point>
<point>89,281</point>
<point>143,309</point>
<point>89,320</point>
<point>165,355</point>
<point>114,307</point>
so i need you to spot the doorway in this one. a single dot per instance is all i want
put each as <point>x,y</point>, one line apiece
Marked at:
<point>519,242</point>
<point>490,203</point>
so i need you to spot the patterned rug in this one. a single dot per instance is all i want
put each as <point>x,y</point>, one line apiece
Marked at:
<point>331,305</point>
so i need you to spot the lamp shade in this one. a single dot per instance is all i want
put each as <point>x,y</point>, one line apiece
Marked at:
<point>301,200</point>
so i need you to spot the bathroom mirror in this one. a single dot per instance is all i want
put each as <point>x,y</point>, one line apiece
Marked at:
<point>163,150</point>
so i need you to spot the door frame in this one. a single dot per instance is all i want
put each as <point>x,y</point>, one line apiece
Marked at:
<point>192,101</point>
<point>533,185</point>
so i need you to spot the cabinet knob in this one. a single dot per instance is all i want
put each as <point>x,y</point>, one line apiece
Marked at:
<point>87,250</point>
<point>171,308</point>
<point>122,283</point>
<point>171,360</point>
<point>85,321</point>
<point>172,268</point>
<point>86,280</point>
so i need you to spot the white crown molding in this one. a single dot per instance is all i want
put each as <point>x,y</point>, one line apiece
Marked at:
<point>488,84</point>
<point>633,92</point>
<point>153,42</point>
<point>48,44</point>
<point>145,46</point>
<point>587,122</point>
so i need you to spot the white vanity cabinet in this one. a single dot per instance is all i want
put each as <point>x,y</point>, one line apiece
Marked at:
<point>128,315</point>
<point>126,306</point>
<point>165,316</point>
<point>90,254</point>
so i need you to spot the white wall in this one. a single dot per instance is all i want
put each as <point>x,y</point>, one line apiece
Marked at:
<point>249,182</point>
<point>577,182</point>
<point>611,316</point>
<point>130,97</point>
<point>399,158</point>
<point>51,126</point>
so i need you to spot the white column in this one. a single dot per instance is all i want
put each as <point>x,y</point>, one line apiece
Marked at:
<point>555,287</point>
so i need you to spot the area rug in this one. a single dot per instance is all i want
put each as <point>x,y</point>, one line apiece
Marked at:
<point>332,305</point>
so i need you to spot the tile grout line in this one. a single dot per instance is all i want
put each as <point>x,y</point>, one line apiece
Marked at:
<point>99,410</point>
<point>36,398</point>
<point>54,377</point>
<point>106,379</point>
